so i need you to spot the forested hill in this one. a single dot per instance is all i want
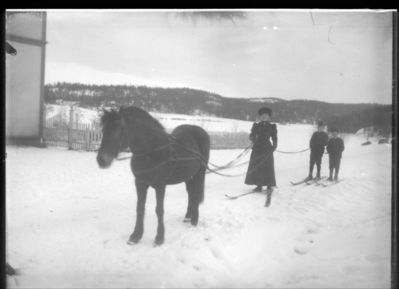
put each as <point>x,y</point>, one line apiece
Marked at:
<point>348,117</point>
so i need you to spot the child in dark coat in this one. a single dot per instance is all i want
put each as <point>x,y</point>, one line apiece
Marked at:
<point>317,144</point>
<point>335,147</point>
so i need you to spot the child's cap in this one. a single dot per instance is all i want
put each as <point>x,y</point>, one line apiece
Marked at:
<point>265,110</point>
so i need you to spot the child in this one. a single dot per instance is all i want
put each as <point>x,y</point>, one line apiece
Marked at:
<point>335,147</point>
<point>317,143</point>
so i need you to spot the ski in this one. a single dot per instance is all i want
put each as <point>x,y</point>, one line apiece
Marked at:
<point>268,198</point>
<point>297,183</point>
<point>304,181</point>
<point>241,195</point>
<point>329,183</point>
<point>315,181</point>
<point>310,182</point>
<point>319,182</point>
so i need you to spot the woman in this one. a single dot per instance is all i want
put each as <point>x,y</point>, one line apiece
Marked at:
<point>261,165</point>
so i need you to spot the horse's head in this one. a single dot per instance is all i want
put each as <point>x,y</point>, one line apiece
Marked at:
<point>114,137</point>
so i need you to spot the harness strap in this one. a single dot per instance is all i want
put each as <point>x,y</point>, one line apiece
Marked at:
<point>172,158</point>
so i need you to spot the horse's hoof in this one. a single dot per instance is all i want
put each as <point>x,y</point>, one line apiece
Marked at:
<point>158,242</point>
<point>194,222</point>
<point>133,240</point>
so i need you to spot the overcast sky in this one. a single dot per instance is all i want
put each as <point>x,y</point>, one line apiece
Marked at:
<point>334,56</point>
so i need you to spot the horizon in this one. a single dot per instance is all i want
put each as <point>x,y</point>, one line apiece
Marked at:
<point>210,92</point>
<point>329,56</point>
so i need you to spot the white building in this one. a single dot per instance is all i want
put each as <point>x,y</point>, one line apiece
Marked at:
<point>26,32</point>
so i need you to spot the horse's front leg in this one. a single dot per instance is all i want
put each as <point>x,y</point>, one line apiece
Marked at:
<point>141,190</point>
<point>160,194</point>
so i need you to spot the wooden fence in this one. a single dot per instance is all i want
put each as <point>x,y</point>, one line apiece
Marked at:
<point>229,140</point>
<point>88,137</point>
<point>75,137</point>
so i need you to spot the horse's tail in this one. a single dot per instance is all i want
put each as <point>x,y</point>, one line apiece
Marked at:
<point>204,144</point>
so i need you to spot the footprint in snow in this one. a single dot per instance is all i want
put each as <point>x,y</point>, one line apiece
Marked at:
<point>301,249</point>
<point>313,230</point>
<point>306,240</point>
<point>181,260</point>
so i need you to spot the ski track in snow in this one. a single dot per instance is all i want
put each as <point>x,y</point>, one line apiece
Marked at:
<point>68,223</point>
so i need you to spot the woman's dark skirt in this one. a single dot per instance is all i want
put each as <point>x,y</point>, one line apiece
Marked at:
<point>260,171</point>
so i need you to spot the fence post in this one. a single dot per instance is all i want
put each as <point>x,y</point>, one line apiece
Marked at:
<point>70,124</point>
<point>87,137</point>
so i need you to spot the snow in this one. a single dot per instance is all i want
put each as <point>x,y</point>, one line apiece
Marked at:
<point>68,222</point>
<point>266,99</point>
<point>209,123</point>
<point>62,112</point>
<point>169,120</point>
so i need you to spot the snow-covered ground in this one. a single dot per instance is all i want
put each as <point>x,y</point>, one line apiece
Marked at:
<point>68,222</point>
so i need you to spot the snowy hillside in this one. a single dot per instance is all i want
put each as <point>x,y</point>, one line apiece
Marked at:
<point>68,222</point>
<point>211,124</point>
<point>266,99</point>
<point>348,117</point>
<point>170,121</point>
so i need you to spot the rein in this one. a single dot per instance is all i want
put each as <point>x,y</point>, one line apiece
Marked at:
<point>200,158</point>
<point>215,171</point>
<point>297,152</point>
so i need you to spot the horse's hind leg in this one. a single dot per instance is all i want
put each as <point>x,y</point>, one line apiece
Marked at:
<point>160,194</point>
<point>189,188</point>
<point>197,195</point>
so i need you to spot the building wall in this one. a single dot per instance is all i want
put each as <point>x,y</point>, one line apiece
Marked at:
<point>25,75</point>
<point>25,24</point>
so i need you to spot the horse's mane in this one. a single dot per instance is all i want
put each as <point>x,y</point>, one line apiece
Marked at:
<point>138,114</point>
<point>109,117</point>
<point>131,113</point>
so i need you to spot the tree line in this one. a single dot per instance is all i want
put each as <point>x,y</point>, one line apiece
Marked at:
<point>346,117</point>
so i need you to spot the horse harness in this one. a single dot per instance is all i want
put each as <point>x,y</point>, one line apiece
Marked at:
<point>172,160</point>
<point>172,156</point>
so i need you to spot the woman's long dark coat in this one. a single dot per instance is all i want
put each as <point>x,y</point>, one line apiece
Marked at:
<point>260,171</point>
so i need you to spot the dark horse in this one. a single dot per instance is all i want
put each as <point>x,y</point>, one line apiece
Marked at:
<point>159,159</point>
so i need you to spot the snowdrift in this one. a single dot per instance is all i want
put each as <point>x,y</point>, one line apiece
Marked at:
<point>68,223</point>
